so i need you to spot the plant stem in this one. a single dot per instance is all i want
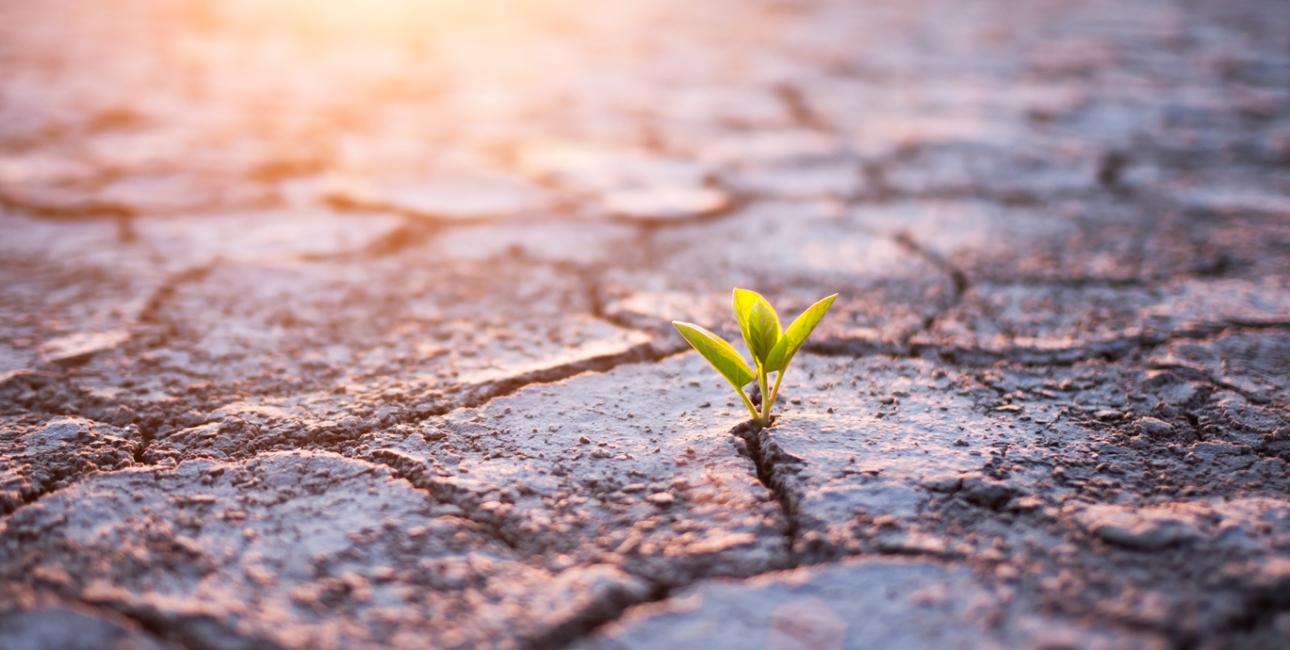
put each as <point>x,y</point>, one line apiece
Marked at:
<point>774,392</point>
<point>748,403</point>
<point>765,404</point>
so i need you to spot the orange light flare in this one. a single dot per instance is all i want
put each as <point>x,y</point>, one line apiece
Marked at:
<point>383,82</point>
<point>298,100</point>
<point>512,42</point>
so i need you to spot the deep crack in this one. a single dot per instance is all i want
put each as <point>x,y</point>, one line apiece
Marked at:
<point>422,476</point>
<point>958,278</point>
<point>597,616</point>
<point>754,438</point>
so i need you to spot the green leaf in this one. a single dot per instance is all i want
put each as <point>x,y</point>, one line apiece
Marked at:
<point>718,352</point>
<point>758,322</point>
<point>796,335</point>
<point>743,302</point>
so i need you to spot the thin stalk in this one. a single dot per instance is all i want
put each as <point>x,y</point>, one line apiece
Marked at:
<point>748,403</point>
<point>765,405</point>
<point>774,391</point>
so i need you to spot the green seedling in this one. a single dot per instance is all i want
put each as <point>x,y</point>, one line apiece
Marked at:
<point>772,347</point>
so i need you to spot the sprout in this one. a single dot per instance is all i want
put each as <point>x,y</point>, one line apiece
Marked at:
<point>771,346</point>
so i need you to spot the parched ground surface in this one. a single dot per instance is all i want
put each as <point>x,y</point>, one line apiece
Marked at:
<point>345,324</point>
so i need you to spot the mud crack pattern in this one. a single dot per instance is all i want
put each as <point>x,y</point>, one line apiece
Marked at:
<point>346,325</point>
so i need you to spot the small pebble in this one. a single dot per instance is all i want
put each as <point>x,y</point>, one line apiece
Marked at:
<point>1155,428</point>
<point>661,499</point>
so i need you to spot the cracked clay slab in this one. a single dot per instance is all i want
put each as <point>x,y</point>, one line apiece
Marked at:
<point>635,467</point>
<point>795,254</point>
<point>296,550</point>
<point>1061,324</point>
<point>44,456</point>
<point>288,325</point>
<point>33,620</point>
<point>856,443</point>
<point>854,604</point>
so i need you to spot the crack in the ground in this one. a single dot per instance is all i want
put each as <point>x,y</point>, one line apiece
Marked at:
<point>755,440</point>
<point>1083,282</point>
<point>1194,374</point>
<point>1260,611</point>
<point>975,357</point>
<point>162,632</point>
<point>423,477</point>
<point>408,234</point>
<point>594,618</point>
<point>856,348</point>
<point>596,301</point>
<point>589,620</point>
<point>884,192</point>
<point>799,108</point>
<point>150,314</point>
<point>166,292</point>
<point>958,278</point>
<point>603,612</point>
<point>182,631</point>
<point>1111,349</point>
<point>480,394</point>
<point>768,471</point>
<point>190,631</point>
<point>474,396</point>
<point>83,210</point>
<point>665,341</point>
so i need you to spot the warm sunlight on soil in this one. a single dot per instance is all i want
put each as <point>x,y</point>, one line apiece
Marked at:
<point>348,324</point>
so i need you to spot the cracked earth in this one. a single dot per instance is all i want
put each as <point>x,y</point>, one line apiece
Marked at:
<point>346,325</point>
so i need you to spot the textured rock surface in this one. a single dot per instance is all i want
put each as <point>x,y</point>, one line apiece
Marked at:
<point>885,603</point>
<point>635,466</point>
<point>346,324</point>
<point>31,621</point>
<point>297,549</point>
